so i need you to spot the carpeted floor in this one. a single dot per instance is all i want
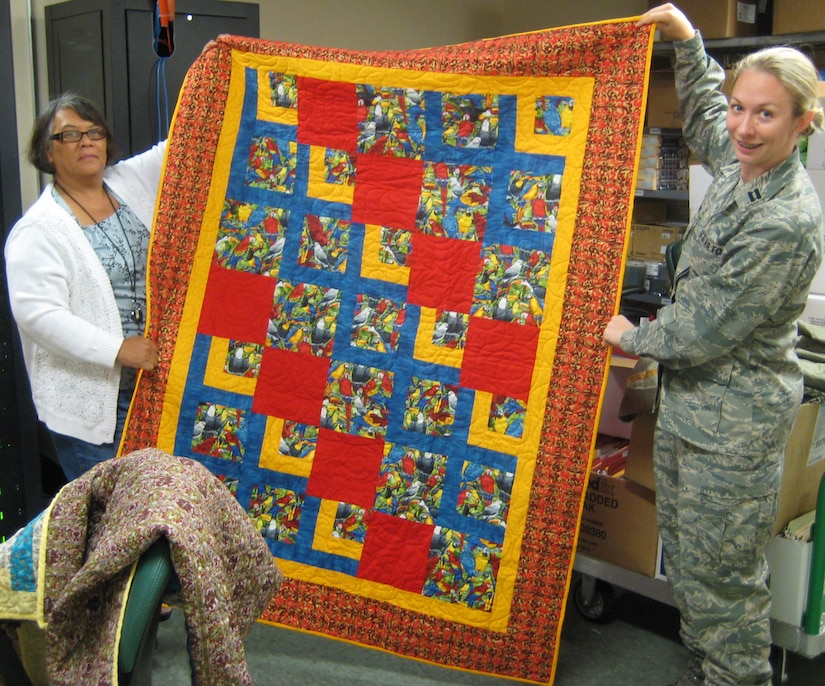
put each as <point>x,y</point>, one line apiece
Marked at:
<point>639,648</point>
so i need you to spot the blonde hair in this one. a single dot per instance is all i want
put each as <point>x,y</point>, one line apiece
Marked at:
<point>794,71</point>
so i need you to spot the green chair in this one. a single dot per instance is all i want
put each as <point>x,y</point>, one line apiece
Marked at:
<point>153,574</point>
<point>673,251</point>
<point>142,615</point>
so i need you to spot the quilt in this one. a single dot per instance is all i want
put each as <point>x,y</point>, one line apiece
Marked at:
<point>378,281</point>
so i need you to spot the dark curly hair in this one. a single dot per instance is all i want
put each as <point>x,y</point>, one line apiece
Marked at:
<point>41,142</point>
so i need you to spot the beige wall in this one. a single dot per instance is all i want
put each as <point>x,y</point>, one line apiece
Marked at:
<point>354,24</point>
<point>402,24</point>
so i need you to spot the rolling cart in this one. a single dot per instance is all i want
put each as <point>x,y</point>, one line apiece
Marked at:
<point>594,597</point>
<point>593,593</point>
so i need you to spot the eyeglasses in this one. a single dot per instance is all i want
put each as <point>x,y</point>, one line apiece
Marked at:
<point>95,134</point>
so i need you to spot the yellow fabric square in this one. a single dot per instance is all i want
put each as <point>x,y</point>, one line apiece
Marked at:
<point>216,374</point>
<point>580,91</point>
<point>371,263</point>
<point>426,350</point>
<point>271,456</point>
<point>324,539</point>
<point>318,187</point>
<point>267,110</point>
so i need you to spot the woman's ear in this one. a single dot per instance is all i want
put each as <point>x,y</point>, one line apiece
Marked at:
<point>804,121</point>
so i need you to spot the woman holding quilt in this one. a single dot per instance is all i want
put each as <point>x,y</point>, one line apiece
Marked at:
<point>731,384</point>
<point>76,269</point>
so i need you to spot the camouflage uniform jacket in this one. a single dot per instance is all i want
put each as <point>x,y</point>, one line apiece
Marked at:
<point>731,381</point>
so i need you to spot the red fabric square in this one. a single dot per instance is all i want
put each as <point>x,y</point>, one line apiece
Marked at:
<point>291,386</point>
<point>499,357</point>
<point>387,191</point>
<point>395,552</point>
<point>236,305</point>
<point>345,468</point>
<point>443,272</point>
<point>327,114</point>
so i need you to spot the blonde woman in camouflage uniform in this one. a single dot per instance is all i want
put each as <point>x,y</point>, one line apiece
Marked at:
<point>731,384</point>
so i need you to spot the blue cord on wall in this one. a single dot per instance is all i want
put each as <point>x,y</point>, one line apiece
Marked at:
<point>162,98</point>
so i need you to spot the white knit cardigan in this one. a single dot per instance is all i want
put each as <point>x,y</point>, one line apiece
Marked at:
<point>64,307</point>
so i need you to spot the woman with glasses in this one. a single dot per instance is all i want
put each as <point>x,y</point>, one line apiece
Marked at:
<point>76,267</point>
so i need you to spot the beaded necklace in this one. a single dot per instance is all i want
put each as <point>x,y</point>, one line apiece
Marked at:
<point>136,312</point>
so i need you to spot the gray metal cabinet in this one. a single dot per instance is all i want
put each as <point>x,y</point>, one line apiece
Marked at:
<point>104,50</point>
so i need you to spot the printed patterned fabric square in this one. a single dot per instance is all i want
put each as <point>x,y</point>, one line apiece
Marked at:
<point>378,281</point>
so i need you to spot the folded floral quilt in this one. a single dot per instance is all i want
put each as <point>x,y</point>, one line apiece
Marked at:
<point>70,570</point>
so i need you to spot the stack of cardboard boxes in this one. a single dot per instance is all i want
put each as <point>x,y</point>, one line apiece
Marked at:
<point>797,16</point>
<point>618,522</point>
<point>744,18</point>
<point>727,18</point>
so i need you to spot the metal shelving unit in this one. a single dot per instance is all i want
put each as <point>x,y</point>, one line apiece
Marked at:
<point>664,195</point>
<point>732,45</point>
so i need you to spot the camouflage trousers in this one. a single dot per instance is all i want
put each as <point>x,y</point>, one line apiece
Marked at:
<point>716,514</point>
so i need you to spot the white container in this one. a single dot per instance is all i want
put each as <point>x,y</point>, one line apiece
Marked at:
<point>790,565</point>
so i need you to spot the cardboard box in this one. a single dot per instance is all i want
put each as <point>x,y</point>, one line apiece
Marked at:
<point>618,524</point>
<point>662,102</point>
<point>804,465</point>
<point>722,18</point>
<point>639,466</point>
<point>803,468</point>
<point>797,16</point>
<point>649,241</point>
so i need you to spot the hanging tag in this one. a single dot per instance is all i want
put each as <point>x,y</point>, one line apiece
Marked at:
<point>164,18</point>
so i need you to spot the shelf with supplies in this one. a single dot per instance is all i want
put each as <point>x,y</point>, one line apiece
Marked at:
<point>662,195</point>
<point>662,104</point>
<point>733,46</point>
